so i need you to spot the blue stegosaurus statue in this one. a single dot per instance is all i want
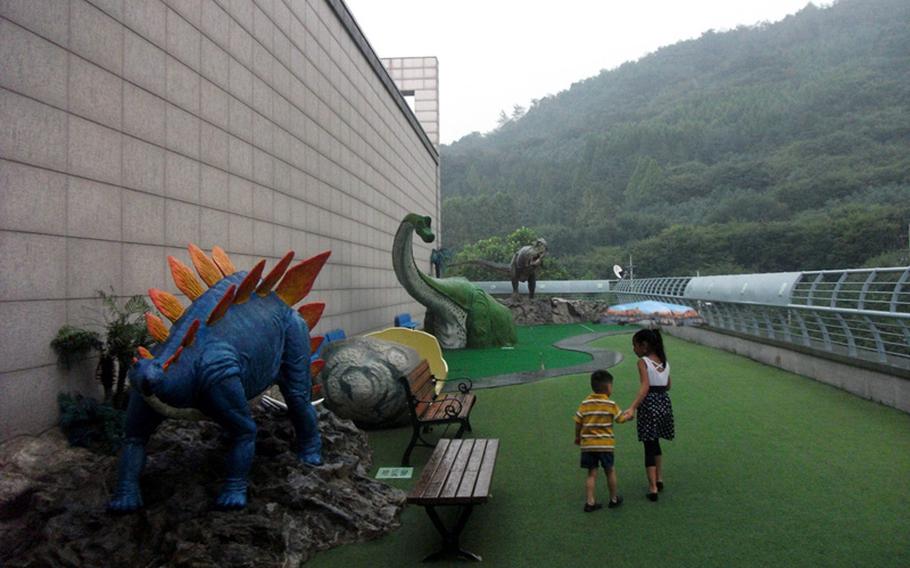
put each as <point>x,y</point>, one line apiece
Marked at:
<point>237,339</point>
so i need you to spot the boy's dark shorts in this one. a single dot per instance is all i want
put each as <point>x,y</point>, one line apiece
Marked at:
<point>591,460</point>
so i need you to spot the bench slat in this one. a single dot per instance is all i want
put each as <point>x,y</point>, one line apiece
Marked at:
<point>437,481</point>
<point>485,477</point>
<point>420,375</point>
<point>458,470</point>
<point>429,469</point>
<point>469,479</point>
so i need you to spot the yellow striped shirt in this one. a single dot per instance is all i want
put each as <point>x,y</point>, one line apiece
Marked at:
<point>596,415</point>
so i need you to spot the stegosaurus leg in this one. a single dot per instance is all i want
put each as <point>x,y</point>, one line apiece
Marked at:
<point>141,422</point>
<point>226,404</point>
<point>296,387</point>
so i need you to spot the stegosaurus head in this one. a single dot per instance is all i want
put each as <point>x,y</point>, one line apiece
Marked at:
<point>150,372</point>
<point>146,375</point>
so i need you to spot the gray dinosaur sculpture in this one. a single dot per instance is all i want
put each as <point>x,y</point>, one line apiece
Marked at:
<point>525,264</point>
<point>523,268</point>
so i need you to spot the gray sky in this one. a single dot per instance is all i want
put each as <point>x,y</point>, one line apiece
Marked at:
<point>494,54</point>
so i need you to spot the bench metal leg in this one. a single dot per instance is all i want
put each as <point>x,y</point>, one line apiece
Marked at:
<point>406,459</point>
<point>450,544</point>
<point>416,440</point>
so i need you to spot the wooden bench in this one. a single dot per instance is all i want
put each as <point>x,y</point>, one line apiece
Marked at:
<point>427,409</point>
<point>459,473</point>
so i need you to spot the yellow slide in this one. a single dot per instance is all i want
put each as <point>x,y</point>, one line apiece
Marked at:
<point>425,344</point>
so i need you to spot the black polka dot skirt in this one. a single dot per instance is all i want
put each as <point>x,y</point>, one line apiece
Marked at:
<point>655,417</point>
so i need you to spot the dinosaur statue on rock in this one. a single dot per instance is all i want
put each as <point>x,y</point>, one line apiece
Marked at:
<point>237,339</point>
<point>459,313</point>
<point>523,268</point>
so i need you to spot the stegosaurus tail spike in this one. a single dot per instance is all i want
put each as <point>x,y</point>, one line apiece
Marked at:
<point>316,366</point>
<point>185,279</point>
<point>208,270</point>
<point>145,353</point>
<point>223,261</point>
<point>298,282</point>
<point>311,313</point>
<point>275,274</point>
<point>315,342</point>
<point>190,334</point>
<point>173,358</point>
<point>249,283</point>
<point>166,303</point>
<point>156,327</point>
<point>222,306</point>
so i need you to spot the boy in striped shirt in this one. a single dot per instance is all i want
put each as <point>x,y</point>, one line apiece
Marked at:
<point>594,433</point>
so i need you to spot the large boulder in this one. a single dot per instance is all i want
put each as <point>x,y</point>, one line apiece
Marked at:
<point>360,380</point>
<point>541,311</point>
<point>53,497</point>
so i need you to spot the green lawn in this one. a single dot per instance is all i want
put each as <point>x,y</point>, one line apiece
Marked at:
<point>768,469</point>
<point>534,350</point>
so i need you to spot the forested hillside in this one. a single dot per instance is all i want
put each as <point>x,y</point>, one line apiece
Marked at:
<point>775,147</point>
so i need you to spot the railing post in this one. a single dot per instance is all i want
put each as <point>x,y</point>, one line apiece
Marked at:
<point>898,288</point>
<point>879,344</point>
<point>861,304</point>
<point>851,343</point>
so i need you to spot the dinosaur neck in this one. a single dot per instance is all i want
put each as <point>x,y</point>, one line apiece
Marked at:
<point>406,269</point>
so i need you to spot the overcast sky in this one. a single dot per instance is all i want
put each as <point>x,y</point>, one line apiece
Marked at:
<point>494,54</point>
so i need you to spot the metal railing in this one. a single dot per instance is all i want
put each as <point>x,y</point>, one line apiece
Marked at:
<point>859,314</point>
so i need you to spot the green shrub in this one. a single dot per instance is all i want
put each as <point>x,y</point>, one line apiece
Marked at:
<point>90,424</point>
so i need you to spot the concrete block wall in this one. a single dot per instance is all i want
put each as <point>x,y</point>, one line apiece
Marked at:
<point>129,128</point>
<point>890,390</point>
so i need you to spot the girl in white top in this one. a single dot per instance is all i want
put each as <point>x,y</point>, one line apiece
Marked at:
<point>652,403</point>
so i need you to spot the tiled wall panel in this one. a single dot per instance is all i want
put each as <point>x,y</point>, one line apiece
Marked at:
<point>129,128</point>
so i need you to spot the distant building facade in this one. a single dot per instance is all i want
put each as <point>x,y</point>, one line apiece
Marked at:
<point>130,129</point>
<point>418,80</point>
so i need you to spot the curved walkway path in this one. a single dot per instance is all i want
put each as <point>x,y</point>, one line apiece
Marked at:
<point>601,359</point>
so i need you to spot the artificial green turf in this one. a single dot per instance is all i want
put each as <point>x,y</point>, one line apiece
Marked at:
<point>534,351</point>
<point>768,469</point>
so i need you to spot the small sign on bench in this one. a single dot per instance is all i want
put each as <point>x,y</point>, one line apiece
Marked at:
<point>395,473</point>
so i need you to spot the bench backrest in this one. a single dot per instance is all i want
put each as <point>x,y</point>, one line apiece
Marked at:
<point>421,386</point>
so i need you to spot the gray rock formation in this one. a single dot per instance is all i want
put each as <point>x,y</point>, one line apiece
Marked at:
<point>360,380</point>
<point>52,501</point>
<point>554,310</point>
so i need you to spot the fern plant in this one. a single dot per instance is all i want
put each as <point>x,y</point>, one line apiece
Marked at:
<point>73,343</point>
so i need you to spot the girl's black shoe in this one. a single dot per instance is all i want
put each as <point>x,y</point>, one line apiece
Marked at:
<point>594,507</point>
<point>660,486</point>
<point>652,496</point>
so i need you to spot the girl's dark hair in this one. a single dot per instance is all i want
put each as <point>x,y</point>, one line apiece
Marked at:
<point>654,341</point>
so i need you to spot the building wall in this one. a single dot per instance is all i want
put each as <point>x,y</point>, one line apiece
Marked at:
<point>130,128</point>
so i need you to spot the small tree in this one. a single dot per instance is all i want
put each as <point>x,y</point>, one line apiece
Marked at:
<point>125,332</point>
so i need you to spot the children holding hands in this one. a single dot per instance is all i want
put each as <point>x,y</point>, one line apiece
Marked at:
<point>597,413</point>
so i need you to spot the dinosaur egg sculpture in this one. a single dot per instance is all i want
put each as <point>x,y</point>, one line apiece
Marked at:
<point>360,380</point>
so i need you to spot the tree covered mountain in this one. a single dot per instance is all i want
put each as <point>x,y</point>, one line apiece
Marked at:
<point>775,147</point>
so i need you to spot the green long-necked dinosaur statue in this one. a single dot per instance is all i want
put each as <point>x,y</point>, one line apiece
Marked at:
<point>459,313</point>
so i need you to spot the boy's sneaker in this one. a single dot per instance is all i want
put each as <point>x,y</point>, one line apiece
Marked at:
<point>614,504</point>
<point>594,507</point>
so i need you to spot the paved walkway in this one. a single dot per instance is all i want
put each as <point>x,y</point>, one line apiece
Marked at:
<point>601,359</point>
